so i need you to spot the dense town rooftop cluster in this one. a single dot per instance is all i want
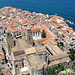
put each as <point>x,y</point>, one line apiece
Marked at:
<point>17,20</point>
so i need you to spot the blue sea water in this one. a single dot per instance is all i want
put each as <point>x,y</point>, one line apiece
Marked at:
<point>63,8</point>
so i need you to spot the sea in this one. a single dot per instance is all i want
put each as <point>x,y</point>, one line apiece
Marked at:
<point>63,8</point>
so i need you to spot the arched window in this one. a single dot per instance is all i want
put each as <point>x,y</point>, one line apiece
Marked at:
<point>29,37</point>
<point>11,34</point>
<point>22,63</point>
<point>16,66</point>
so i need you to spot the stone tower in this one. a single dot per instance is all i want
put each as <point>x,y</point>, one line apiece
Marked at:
<point>9,42</point>
<point>24,36</point>
<point>29,36</point>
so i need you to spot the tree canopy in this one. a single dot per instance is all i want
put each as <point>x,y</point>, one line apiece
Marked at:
<point>60,45</point>
<point>72,54</point>
<point>72,50</point>
<point>43,35</point>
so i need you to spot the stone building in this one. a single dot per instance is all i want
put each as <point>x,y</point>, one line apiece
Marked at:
<point>24,59</point>
<point>57,56</point>
<point>1,30</point>
<point>21,55</point>
<point>27,59</point>
<point>28,36</point>
<point>9,42</point>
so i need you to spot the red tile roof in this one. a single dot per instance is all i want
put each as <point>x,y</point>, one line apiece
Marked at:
<point>12,30</point>
<point>64,35</point>
<point>34,29</point>
<point>9,74</point>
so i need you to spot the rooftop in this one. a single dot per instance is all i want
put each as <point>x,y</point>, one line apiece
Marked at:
<point>30,50</point>
<point>35,62</point>
<point>19,52</point>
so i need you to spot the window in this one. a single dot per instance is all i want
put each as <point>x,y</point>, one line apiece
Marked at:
<point>33,34</point>
<point>29,37</point>
<point>8,34</point>
<point>9,45</point>
<point>41,57</point>
<point>11,34</point>
<point>16,66</point>
<point>20,67</point>
<point>14,43</point>
<point>22,63</point>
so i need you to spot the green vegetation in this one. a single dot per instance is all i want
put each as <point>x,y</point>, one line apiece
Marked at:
<point>72,54</point>
<point>21,37</point>
<point>65,72</point>
<point>43,35</point>
<point>60,45</point>
<point>73,66</point>
<point>1,73</point>
<point>55,70</point>
<point>61,67</point>
<point>61,70</point>
<point>49,54</point>
<point>52,71</point>
<point>42,44</point>
<point>72,50</point>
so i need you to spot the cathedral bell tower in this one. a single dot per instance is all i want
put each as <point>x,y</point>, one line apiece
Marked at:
<point>29,35</point>
<point>9,42</point>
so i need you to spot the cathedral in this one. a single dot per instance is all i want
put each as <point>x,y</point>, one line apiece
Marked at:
<point>24,59</point>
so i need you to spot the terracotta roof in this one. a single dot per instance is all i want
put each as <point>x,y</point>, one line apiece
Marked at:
<point>58,56</point>
<point>43,27</point>
<point>18,52</point>
<point>67,59</point>
<point>40,49</point>
<point>30,50</point>
<point>69,30</point>
<point>34,29</point>
<point>24,30</point>
<point>64,35</point>
<point>9,74</point>
<point>55,48</point>
<point>12,30</point>
<point>47,40</point>
<point>54,63</point>
<point>49,48</point>
<point>35,62</point>
<point>48,34</point>
<point>40,40</point>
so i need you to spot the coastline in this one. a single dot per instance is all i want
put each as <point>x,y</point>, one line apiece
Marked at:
<point>69,23</point>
